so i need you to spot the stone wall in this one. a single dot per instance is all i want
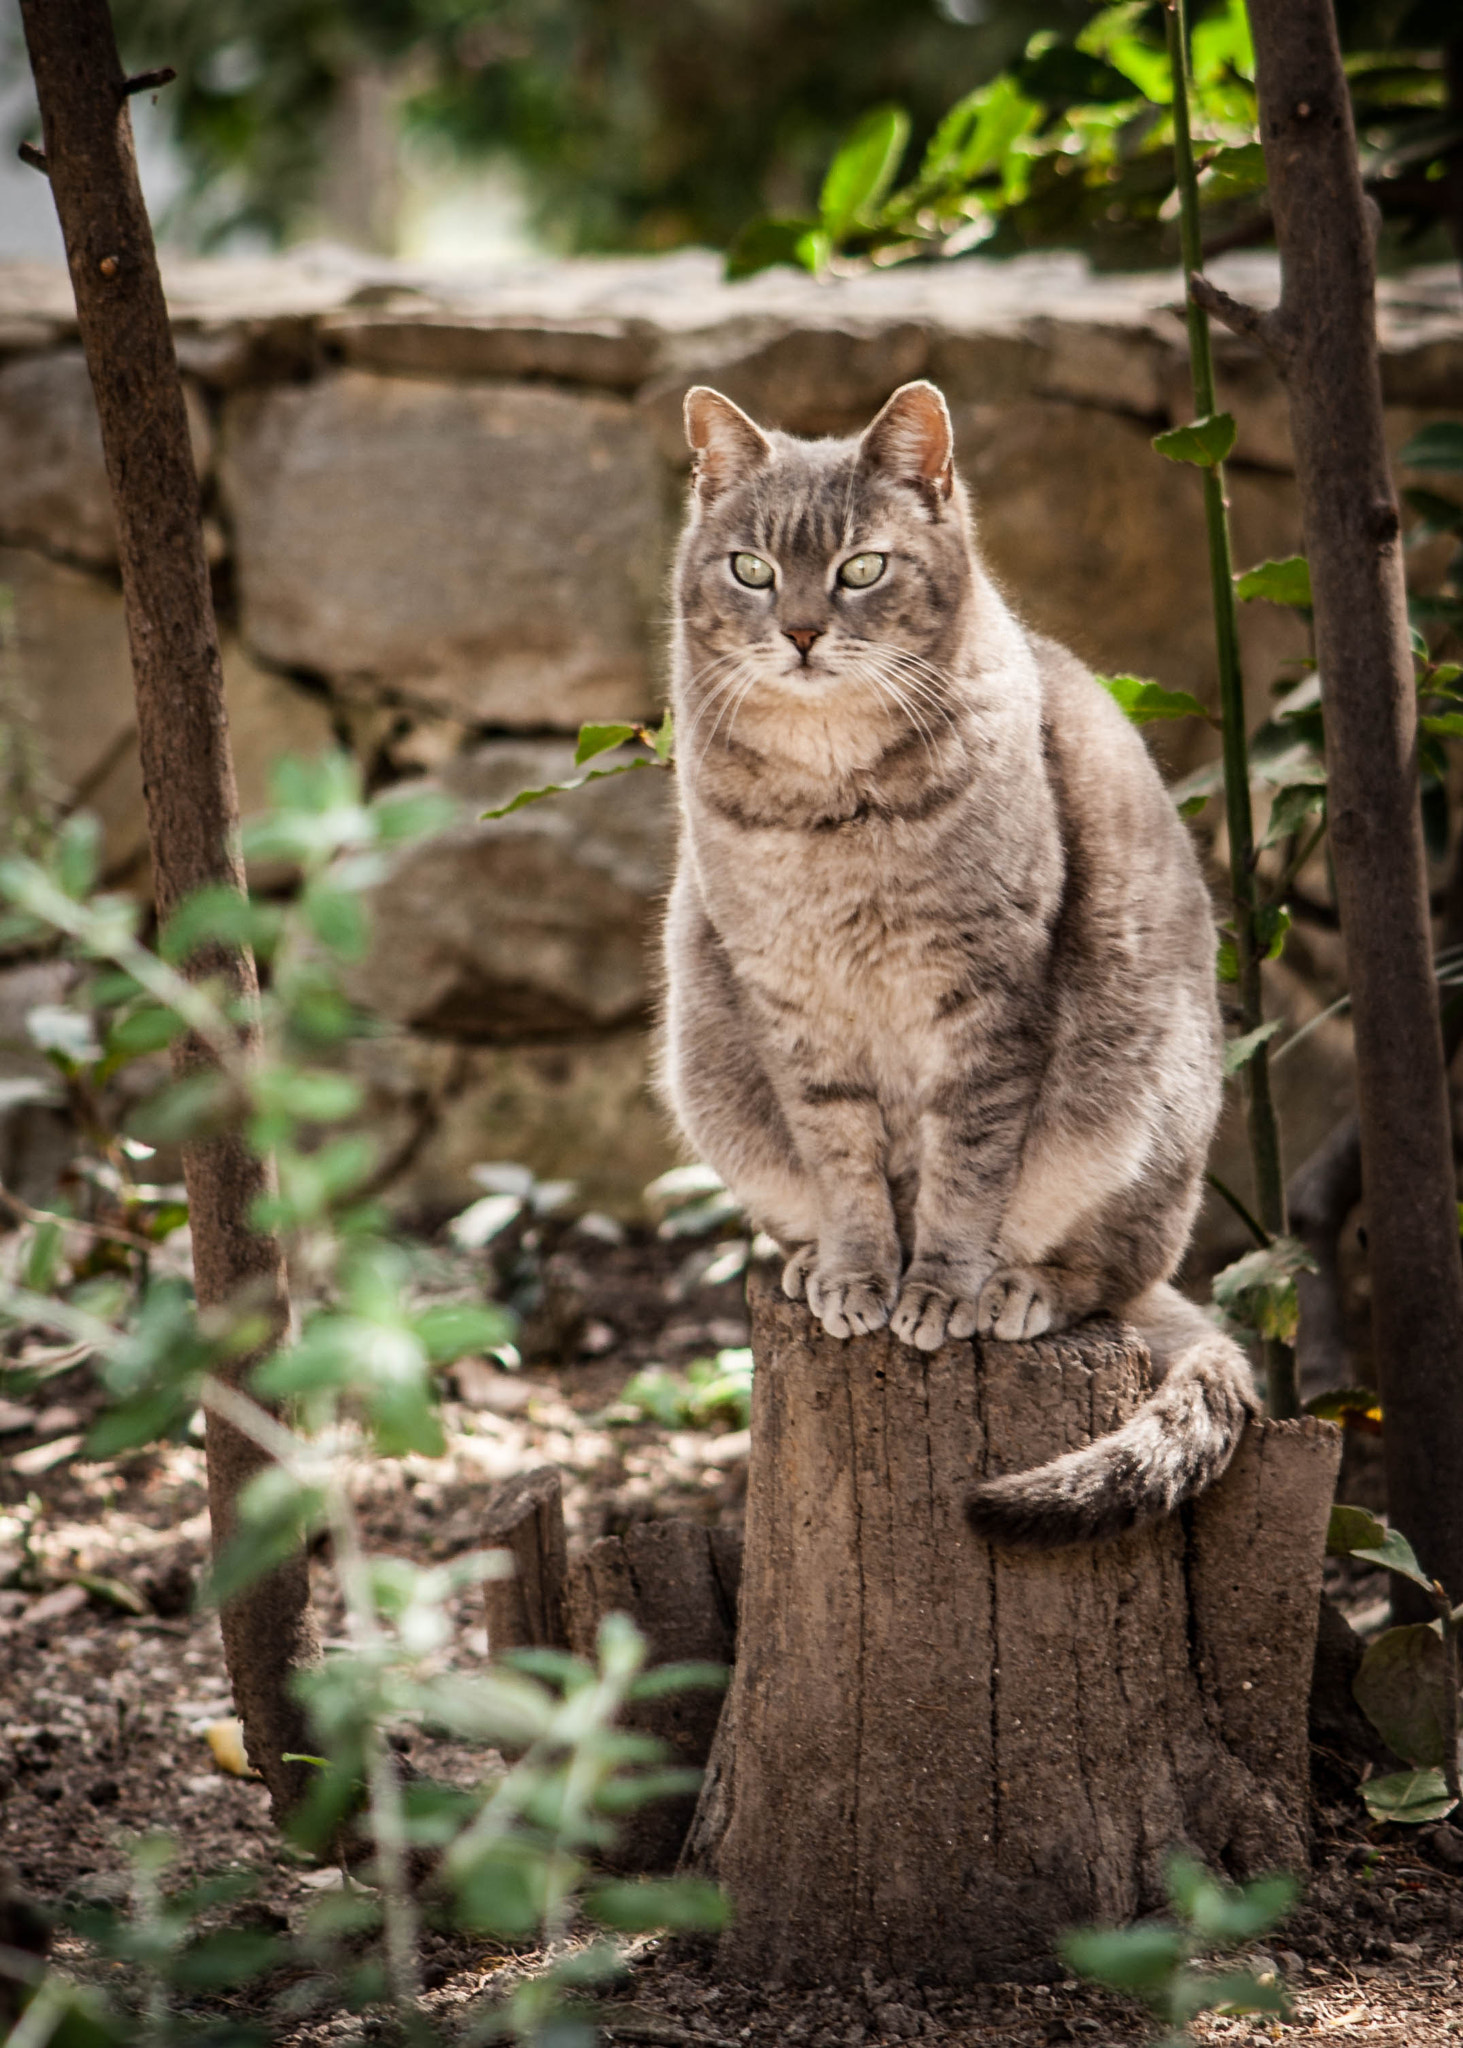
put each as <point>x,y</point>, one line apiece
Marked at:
<point>440,513</point>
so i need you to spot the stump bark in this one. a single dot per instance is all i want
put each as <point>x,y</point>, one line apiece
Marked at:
<point>935,1755</point>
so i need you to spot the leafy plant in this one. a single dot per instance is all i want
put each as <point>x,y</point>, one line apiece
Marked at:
<point>1408,1683</point>
<point>1076,143</point>
<point>1155,1960</point>
<point>595,740</point>
<point>514,1855</point>
<point>709,1390</point>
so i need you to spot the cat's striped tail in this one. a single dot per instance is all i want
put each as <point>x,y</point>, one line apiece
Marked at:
<point>1175,1445</point>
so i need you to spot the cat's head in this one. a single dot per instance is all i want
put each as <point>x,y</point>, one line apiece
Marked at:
<point>823,572</point>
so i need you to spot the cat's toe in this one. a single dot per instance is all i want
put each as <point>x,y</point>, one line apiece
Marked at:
<point>1013,1305</point>
<point>925,1316</point>
<point>851,1306</point>
<point>795,1272</point>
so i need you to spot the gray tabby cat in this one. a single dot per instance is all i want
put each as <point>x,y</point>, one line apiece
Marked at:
<point>941,1005</point>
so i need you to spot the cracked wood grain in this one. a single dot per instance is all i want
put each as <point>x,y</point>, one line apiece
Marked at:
<point>935,1756</point>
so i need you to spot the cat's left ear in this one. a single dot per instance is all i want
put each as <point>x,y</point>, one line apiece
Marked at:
<point>912,442</point>
<point>728,445</point>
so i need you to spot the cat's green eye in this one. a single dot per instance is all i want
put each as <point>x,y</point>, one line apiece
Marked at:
<point>752,570</point>
<point>859,571</point>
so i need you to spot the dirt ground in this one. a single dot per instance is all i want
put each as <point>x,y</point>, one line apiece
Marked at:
<point>103,1711</point>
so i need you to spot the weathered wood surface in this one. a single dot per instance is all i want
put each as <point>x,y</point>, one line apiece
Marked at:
<point>677,1581</point>
<point>935,1755</point>
<point>525,1517</point>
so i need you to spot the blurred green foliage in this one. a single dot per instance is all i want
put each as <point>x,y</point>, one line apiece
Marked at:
<point>1073,146</point>
<point>639,126</point>
<point>642,127</point>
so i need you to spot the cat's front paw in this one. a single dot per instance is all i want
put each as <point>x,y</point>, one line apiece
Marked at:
<point>926,1316</point>
<point>1013,1304</point>
<point>795,1272</point>
<point>849,1304</point>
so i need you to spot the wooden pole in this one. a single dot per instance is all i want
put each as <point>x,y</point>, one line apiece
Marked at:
<point>1323,338</point>
<point>187,770</point>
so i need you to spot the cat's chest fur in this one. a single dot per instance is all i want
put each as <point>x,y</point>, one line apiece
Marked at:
<point>867,937</point>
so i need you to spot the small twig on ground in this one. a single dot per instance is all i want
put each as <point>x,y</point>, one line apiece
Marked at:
<point>105,1231</point>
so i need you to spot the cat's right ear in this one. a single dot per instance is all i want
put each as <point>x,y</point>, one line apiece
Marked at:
<point>728,446</point>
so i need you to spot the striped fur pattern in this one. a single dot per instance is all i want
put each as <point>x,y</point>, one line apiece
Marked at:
<point>940,996</point>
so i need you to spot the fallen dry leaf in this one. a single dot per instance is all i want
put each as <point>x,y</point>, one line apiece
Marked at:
<point>55,1606</point>
<point>41,1457</point>
<point>226,1740</point>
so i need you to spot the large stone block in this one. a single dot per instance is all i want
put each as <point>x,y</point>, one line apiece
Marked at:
<point>1101,543</point>
<point>538,923</point>
<point>578,1109</point>
<point>76,694</point>
<point>490,551</point>
<point>53,480</point>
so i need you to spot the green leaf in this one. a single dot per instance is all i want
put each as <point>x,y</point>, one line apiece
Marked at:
<point>1203,442</point>
<point>681,1904</point>
<point>1397,1554</point>
<point>1353,1529</point>
<point>1142,701</point>
<point>1353,1407</point>
<point>1258,1291</point>
<point>338,919</point>
<point>533,796</point>
<point>401,815</point>
<point>1272,922</point>
<point>42,1258</point>
<point>1409,1797</point>
<point>598,739</point>
<point>452,1329</point>
<point>673,1678</point>
<point>862,171</point>
<point>1439,446</point>
<point>975,135</point>
<point>78,854</point>
<point>1403,1687</point>
<point>763,243</point>
<point>147,1028</point>
<point>1226,959</point>
<point>115,1592</point>
<point>1141,1960</point>
<point>663,739</point>
<point>1062,74</point>
<point>217,916</point>
<point>1283,581</point>
<point>1003,114</point>
<point>231,1956</point>
<point>1290,808</point>
<point>1238,1052</point>
<point>276,1514</point>
<point>1224,1914</point>
<point>1233,173</point>
<point>1446,725</point>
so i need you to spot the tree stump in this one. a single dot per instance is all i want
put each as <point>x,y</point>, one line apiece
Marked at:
<point>677,1581</point>
<point>525,1517</point>
<point>936,1755</point>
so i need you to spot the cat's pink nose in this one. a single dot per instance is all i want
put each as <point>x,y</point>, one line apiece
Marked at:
<point>802,637</point>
